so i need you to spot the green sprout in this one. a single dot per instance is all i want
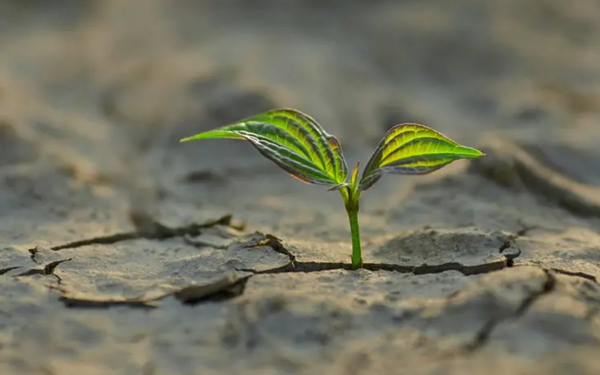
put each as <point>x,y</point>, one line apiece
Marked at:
<point>299,145</point>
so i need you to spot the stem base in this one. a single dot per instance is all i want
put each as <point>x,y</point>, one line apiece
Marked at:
<point>351,198</point>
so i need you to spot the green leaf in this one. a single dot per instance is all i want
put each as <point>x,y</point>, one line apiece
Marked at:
<point>413,149</point>
<point>292,140</point>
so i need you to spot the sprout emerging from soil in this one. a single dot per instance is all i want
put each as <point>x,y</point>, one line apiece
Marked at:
<point>299,145</point>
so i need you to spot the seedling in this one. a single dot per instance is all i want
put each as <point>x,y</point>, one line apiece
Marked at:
<point>299,145</point>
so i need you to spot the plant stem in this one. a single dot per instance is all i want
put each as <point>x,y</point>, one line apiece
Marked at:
<point>351,197</point>
<point>355,233</point>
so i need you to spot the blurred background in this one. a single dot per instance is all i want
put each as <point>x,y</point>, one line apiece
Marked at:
<point>95,95</point>
<point>101,91</point>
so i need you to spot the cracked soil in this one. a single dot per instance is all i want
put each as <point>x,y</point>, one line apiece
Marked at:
<point>123,251</point>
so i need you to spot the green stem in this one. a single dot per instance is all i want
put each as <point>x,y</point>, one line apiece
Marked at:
<point>351,197</point>
<point>355,232</point>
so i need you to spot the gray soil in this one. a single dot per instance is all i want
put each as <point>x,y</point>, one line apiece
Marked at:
<point>123,251</point>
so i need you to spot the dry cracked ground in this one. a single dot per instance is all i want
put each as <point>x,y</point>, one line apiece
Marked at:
<point>125,252</point>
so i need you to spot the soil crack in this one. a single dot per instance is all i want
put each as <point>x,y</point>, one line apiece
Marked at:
<point>483,336</point>
<point>423,269</point>
<point>275,244</point>
<point>32,253</point>
<point>47,270</point>
<point>511,165</point>
<point>583,275</point>
<point>222,289</point>
<point>149,230</point>
<point>8,269</point>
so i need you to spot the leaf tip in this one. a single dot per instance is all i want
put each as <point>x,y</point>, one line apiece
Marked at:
<point>471,153</point>
<point>187,139</point>
<point>478,153</point>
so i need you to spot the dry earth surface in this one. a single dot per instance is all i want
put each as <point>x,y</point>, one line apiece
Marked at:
<point>125,252</point>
